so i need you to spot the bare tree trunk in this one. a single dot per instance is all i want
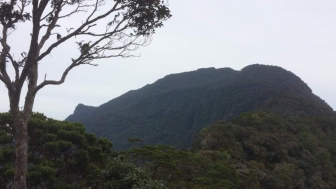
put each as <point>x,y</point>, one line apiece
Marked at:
<point>20,125</point>
<point>21,138</point>
<point>21,119</point>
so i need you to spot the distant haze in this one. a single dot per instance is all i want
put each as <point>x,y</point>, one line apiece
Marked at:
<point>299,36</point>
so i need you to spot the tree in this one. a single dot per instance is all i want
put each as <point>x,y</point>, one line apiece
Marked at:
<point>132,24</point>
<point>185,169</point>
<point>62,155</point>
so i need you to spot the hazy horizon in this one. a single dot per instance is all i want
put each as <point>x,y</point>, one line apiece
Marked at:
<point>299,36</point>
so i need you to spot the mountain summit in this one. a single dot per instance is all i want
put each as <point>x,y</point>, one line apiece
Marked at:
<point>175,108</point>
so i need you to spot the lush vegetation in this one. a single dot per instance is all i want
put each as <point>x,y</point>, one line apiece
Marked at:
<point>174,109</point>
<point>186,169</point>
<point>62,155</point>
<point>292,145</point>
<point>256,150</point>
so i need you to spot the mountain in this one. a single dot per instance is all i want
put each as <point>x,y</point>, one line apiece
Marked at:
<point>175,108</point>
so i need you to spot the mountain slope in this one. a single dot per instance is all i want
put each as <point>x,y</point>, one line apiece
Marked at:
<point>173,109</point>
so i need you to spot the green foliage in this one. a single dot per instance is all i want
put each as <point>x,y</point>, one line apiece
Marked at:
<point>255,150</point>
<point>174,109</point>
<point>61,155</point>
<point>183,169</point>
<point>123,175</point>
<point>276,152</point>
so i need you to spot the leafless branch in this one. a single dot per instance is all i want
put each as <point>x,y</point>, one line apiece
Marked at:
<point>41,8</point>
<point>45,25</point>
<point>96,53</point>
<point>2,79</point>
<point>77,31</point>
<point>15,66</point>
<point>78,9</point>
<point>49,14</point>
<point>51,82</point>
<point>94,10</point>
<point>51,26</point>
<point>3,58</point>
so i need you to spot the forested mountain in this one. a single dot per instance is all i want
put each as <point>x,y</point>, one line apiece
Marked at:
<point>261,127</point>
<point>174,109</point>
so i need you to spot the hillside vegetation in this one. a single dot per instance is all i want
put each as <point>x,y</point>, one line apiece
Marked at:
<point>62,155</point>
<point>174,109</point>
<point>256,150</point>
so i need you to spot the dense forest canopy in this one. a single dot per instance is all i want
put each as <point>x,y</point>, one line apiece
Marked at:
<point>174,109</point>
<point>256,150</point>
<point>62,155</point>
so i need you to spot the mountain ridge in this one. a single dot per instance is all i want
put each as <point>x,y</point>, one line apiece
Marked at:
<point>174,108</point>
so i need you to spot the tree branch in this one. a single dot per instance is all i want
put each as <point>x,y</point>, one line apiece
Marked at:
<point>47,15</point>
<point>33,49</point>
<point>6,49</point>
<point>3,59</point>
<point>15,66</point>
<point>2,79</point>
<point>52,82</point>
<point>94,10</point>
<point>78,30</point>
<point>85,59</point>
<point>42,5</point>
<point>50,27</point>
<point>78,9</point>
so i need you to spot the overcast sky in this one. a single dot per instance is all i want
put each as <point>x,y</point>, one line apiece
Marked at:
<point>298,35</point>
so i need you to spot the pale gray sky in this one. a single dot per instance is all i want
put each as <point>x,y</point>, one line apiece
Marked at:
<point>298,35</point>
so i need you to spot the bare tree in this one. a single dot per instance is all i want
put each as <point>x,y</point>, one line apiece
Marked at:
<point>129,24</point>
